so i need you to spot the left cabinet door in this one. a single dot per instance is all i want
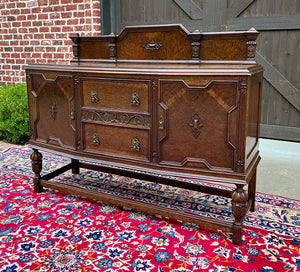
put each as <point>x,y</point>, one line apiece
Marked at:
<point>52,109</point>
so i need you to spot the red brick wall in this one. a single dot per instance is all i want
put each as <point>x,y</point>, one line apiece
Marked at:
<point>37,31</point>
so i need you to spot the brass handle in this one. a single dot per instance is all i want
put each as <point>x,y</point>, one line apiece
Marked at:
<point>94,96</point>
<point>135,99</point>
<point>95,139</point>
<point>72,115</point>
<point>135,145</point>
<point>161,123</point>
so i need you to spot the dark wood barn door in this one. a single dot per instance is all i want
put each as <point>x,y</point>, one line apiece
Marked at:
<point>278,45</point>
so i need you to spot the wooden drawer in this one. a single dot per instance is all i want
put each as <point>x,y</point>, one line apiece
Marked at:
<point>120,141</point>
<point>122,94</point>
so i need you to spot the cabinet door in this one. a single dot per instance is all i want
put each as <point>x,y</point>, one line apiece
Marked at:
<point>197,123</point>
<point>51,106</point>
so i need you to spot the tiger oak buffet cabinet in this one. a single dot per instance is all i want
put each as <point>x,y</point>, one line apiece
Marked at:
<point>157,103</point>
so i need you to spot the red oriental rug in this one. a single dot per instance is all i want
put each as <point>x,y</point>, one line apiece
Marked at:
<point>52,231</point>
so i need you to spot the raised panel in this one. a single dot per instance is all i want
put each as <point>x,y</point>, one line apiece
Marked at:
<point>54,105</point>
<point>116,141</point>
<point>201,124</point>
<point>114,93</point>
<point>153,44</point>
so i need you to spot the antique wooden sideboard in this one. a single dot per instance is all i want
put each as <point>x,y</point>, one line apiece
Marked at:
<point>157,103</point>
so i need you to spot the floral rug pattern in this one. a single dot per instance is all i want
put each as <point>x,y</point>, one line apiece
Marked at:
<point>52,231</point>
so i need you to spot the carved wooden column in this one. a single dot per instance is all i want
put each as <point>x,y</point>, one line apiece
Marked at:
<point>196,35</point>
<point>76,46</point>
<point>37,165</point>
<point>239,210</point>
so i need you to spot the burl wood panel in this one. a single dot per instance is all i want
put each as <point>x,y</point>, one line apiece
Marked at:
<point>117,93</point>
<point>117,140</point>
<point>201,124</point>
<point>53,99</point>
<point>94,50</point>
<point>173,46</point>
<point>223,49</point>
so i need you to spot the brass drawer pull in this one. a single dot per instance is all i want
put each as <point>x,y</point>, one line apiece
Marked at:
<point>161,123</point>
<point>135,99</point>
<point>94,96</point>
<point>95,139</point>
<point>152,45</point>
<point>135,145</point>
<point>72,114</point>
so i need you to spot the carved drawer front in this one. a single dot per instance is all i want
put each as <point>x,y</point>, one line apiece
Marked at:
<point>117,141</point>
<point>122,94</point>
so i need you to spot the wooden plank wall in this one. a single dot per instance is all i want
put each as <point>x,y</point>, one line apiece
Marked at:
<point>153,12</point>
<point>278,45</point>
<point>280,118</point>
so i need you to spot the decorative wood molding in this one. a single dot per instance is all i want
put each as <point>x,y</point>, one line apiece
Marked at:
<point>53,110</point>
<point>243,86</point>
<point>75,46</point>
<point>112,51</point>
<point>196,50</point>
<point>251,49</point>
<point>117,118</point>
<point>196,124</point>
<point>154,83</point>
<point>240,164</point>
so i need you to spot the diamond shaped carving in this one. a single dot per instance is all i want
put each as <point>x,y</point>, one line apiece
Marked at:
<point>53,110</point>
<point>196,124</point>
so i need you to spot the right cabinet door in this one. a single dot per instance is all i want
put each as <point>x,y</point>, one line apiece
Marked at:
<point>197,123</point>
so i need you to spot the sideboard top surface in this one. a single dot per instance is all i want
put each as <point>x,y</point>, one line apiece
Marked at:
<point>149,68</point>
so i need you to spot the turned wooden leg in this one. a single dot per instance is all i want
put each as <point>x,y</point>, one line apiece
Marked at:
<point>252,191</point>
<point>239,209</point>
<point>37,165</point>
<point>75,168</point>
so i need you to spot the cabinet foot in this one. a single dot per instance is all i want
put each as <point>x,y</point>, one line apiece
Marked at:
<point>239,210</point>
<point>37,165</point>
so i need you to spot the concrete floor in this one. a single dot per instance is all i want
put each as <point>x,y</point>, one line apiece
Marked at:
<point>279,169</point>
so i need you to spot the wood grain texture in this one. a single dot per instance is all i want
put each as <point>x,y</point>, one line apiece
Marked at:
<point>92,50</point>
<point>223,50</point>
<point>162,120</point>
<point>112,139</point>
<point>116,93</point>
<point>54,101</point>
<point>173,46</point>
